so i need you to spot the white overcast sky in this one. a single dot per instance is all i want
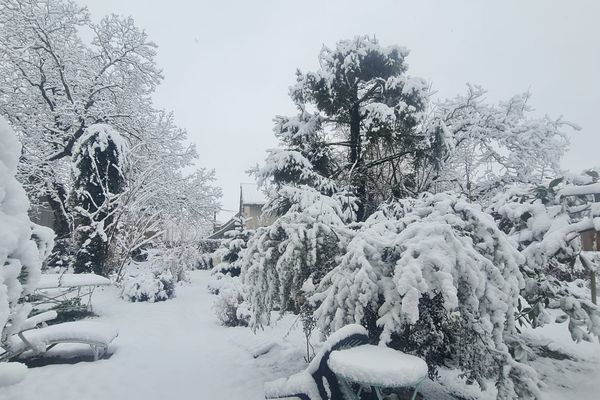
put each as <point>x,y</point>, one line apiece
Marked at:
<point>228,64</point>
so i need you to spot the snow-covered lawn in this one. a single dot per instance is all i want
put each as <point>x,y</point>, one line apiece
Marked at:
<point>176,350</point>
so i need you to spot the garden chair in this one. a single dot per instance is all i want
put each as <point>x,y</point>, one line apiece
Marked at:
<point>318,382</point>
<point>37,337</point>
<point>68,292</point>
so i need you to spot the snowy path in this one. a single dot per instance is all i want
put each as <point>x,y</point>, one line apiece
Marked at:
<point>173,349</point>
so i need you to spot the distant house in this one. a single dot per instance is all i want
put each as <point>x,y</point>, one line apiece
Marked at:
<point>252,201</point>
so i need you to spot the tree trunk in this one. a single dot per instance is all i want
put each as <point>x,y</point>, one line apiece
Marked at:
<point>57,202</point>
<point>358,174</point>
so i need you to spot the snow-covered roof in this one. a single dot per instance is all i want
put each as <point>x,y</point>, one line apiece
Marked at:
<point>251,194</point>
<point>223,216</point>
<point>229,225</point>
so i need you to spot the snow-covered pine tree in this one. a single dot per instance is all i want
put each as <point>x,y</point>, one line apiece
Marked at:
<point>98,179</point>
<point>23,245</point>
<point>353,143</point>
<point>359,122</point>
<point>436,277</point>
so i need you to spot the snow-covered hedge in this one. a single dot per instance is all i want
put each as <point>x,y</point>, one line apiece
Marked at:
<point>23,247</point>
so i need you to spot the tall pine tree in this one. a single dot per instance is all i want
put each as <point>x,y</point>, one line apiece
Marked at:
<point>359,121</point>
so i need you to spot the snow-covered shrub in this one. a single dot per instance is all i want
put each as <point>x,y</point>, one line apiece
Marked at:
<point>151,280</point>
<point>440,261</point>
<point>148,285</point>
<point>230,306</point>
<point>229,252</point>
<point>546,227</point>
<point>204,261</point>
<point>23,247</point>
<point>207,248</point>
<point>178,259</point>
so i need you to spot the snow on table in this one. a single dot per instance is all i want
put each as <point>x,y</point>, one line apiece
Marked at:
<point>52,281</point>
<point>377,366</point>
<point>78,331</point>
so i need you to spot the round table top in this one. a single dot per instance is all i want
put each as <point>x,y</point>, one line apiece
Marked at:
<point>377,366</point>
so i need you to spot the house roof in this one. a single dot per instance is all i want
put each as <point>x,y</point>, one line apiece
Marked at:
<point>220,234</point>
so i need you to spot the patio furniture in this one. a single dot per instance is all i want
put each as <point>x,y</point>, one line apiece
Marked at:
<point>37,337</point>
<point>377,368</point>
<point>67,291</point>
<point>347,367</point>
<point>318,382</point>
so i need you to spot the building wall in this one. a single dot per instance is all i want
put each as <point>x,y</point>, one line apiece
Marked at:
<point>253,217</point>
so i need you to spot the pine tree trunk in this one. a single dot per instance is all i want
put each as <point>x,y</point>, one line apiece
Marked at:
<point>358,176</point>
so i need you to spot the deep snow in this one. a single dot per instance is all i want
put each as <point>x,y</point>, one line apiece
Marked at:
<point>165,350</point>
<point>176,350</point>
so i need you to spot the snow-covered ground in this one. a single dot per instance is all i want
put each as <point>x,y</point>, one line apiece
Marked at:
<point>176,349</point>
<point>163,349</point>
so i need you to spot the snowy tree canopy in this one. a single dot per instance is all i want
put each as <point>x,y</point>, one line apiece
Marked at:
<point>54,85</point>
<point>492,145</point>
